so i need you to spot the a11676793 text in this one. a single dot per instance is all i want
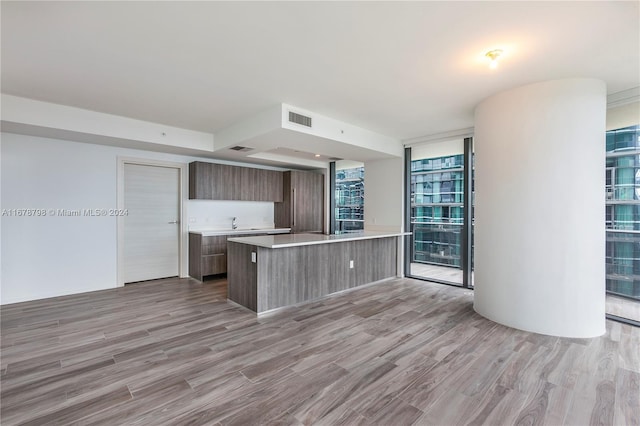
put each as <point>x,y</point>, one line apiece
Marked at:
<point>25,212</point>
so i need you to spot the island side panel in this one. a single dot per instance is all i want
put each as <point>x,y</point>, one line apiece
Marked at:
<point>320,272</point>
<point>338,266</point>
<point>242,275</point>
<point>292,275</point>
<point>281,276</point>
<point>195,256</point>
<point>374,260</point>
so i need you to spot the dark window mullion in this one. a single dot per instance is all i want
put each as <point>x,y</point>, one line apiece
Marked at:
<point>467,227</point>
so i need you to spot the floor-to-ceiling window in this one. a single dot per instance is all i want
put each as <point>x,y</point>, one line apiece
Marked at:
<point>622,186</point>
<point>437,194</point>
<point>437,206</point>
<point>349,197</point>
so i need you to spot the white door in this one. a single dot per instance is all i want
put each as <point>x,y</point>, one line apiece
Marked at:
<point>151,227</point>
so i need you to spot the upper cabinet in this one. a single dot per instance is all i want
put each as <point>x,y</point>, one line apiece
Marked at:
<point>210,181</point>
<point>302,208</point>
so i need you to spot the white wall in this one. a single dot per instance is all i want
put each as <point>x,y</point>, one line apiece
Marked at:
<point>348,164</point>
<point>52,256</point>
<point>332,129</point>
<point>251,127</point>
<point>623,116</point>
<point>383,195</point>
<point>208,214</point>
<point>47,115</point>
<point>384,198</point>
<point>437,149</point>
<point>539,208</point>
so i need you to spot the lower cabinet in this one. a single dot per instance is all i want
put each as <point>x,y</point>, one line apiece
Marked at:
<point>214,264</point>
<point>207,255</point>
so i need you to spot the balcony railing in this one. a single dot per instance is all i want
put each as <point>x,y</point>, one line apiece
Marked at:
<point>436,243</point>
<point>623,263</point>
<point>345,226</point>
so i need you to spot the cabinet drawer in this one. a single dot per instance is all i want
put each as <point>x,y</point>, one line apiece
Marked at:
<point>214,264</point>
<point>214,245</point>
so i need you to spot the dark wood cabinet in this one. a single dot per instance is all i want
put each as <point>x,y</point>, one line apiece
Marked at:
<point>207,255</point>
<point>200,181</point>
<point>302,206</point>
<point>211,181</point>
<point>247,185</point>
<point>268,185</point>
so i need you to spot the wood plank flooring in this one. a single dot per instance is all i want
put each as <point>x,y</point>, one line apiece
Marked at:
<point>619,306</point>
<point>623,307</point>
<point>398,353</point>
<point>428,271</point>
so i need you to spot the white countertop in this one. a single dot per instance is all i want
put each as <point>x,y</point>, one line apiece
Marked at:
<point>213,232</point>
<point>294,240</point>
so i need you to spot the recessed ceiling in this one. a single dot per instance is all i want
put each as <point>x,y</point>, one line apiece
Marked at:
<point>402,69</point>
<point>303,155</point>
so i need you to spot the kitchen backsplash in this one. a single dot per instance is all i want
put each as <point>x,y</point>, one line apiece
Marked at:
<point>206,214</point>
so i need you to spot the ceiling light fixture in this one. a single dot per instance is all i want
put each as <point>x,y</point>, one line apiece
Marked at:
<point>493,56</point>
<point>317,155</point>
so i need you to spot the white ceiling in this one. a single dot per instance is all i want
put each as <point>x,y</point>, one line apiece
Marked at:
<point>402,69</point>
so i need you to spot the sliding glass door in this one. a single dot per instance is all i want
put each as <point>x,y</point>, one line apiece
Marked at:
<point>440,243</point>
<point>623,223</point>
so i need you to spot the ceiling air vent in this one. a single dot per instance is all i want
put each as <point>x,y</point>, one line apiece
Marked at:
<point>335,159</point>
<point>299,119</point>
<point>240,148</point>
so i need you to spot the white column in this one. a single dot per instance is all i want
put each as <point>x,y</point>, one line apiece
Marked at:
<point>383,200</point>
<point>383,195</point>
<point>539,208</point>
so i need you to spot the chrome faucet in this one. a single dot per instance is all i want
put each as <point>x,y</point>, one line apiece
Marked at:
<point>234,225</point>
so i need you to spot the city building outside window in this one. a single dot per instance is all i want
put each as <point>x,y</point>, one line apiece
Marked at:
<point>622,194</point>
<point>436,209</point>
<point>349,196</point>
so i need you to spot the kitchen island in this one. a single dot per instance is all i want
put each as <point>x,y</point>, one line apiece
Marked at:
<point>273,271</point>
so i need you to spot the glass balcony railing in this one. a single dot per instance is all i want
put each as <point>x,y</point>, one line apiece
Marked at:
<point>344,226</point>
<point>437,243</point>
<point>623,263</point>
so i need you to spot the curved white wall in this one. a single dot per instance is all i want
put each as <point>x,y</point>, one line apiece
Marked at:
<point>539,208</point>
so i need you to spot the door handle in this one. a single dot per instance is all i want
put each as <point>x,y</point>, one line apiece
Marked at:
<point>174,222</point>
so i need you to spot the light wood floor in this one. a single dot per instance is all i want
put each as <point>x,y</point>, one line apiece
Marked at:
<point>623,307</point>
<point>437,272</point>
<point>398,353</point>
<point>618,306</point>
